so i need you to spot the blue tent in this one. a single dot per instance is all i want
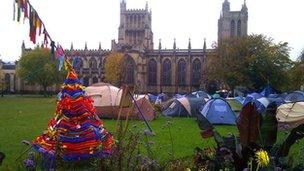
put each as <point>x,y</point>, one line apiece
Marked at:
<point>251,97</point>
<point>295,96</point>
<point>260,102</point>
<point>218,111</point>
<point>155,98</point>
<point>239,99</point>
<point>268,90</point>
<point>152,97</point>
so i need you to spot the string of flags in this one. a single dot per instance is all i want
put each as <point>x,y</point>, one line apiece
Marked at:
<point>24,9</point>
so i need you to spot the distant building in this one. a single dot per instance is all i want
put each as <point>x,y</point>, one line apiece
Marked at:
<point>232,23</point>
<point>152,70</point>
<point>8,76</point>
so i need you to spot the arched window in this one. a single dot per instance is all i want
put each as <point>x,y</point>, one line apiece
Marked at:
<point>181,70</point>
<point>95,80</point>
<point>129,75</point>
<point>239,28</point>
<point>7,80</point>
<point>232,28</point>
<point>152,72</point>
<point>104,61</point>
<point>86,81</point>
<point>196,73</point>
<point>100,63</point>
<point>93,63</point>
<point>77,63</point>
<point>167,72</point>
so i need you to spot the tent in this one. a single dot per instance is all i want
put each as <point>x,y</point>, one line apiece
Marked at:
<point>268,90</point>
<point>239,99</point>
<point>251,97</point>
<point>218,111</point>
<point>146,108</point>
<point>295,96</point>
<point>216,96</point>
<point>107,99</point>
<point>183,107</point>
<point>199,94</point>
<point>260,102</point>
<point>290,115</point>
<point>158,98</point>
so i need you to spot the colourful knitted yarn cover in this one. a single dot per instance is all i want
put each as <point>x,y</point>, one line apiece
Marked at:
<point>76,132</point>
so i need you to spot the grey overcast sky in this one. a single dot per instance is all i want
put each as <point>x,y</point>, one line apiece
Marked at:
<point>95,21</point>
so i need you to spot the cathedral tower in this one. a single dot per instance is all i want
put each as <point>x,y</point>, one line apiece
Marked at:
<point>232,23</point>
<point>135,28</point>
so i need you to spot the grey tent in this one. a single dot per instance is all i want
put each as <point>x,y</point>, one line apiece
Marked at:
<point>183,107</point>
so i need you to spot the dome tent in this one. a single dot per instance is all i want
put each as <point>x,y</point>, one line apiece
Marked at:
<point>295,96</point>
<point>290,115</point>
<point>183,107</point>
<point>107,99</point>
<point>218,111</point>
<point>199,94</point>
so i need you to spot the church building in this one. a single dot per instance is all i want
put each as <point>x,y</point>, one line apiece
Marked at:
<point>150,69</point>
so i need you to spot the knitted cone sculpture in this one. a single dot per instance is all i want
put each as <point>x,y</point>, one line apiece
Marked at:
<point>76,132</point>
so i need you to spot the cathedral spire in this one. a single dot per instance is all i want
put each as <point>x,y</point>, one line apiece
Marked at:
<point>189,44</point>
<point>85,46</point>
<point>72,47</point>
<point>99,46</point>
<point>147,6</point>
<point>205,47</point>
<point>159,45</point>
<point>226,6</point>
<point>244,7</point>
<point>22,48</point>
<point>123,5</point>
<point>23,45</point>
<point>174,44</point>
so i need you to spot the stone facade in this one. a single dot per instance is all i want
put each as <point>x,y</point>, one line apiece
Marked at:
<point>151,70</point>
<point>232,23</point>
<point>8,77</point>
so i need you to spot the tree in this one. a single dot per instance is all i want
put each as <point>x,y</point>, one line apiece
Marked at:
<point>114,68</point>
<point>252,61</point>
<point>297,72</point>
<point>37,67</point>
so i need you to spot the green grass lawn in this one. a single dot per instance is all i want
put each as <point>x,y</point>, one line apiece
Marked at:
<point>24,118</point>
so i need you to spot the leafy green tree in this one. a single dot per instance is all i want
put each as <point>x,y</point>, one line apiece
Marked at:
<point>297,73</point>
<point>114,68</point>
<point>252,61</point>
<point>38,67</point>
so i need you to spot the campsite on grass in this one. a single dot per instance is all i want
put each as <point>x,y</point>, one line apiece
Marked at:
<point>183,103</point>
<point>183,123</point>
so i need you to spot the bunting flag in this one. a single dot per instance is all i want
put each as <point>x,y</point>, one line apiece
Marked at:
<point>60,57</point>
<point>36,25</point>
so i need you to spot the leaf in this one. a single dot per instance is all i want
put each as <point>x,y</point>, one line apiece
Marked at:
<point>248,123</point>
<point>205,126</point>
<point>269,127</point>
<point>295,134</point>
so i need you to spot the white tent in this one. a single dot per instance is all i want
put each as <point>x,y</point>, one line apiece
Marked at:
<point>104,95</point>
<point>107,99</point>
<point>290,115</point>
